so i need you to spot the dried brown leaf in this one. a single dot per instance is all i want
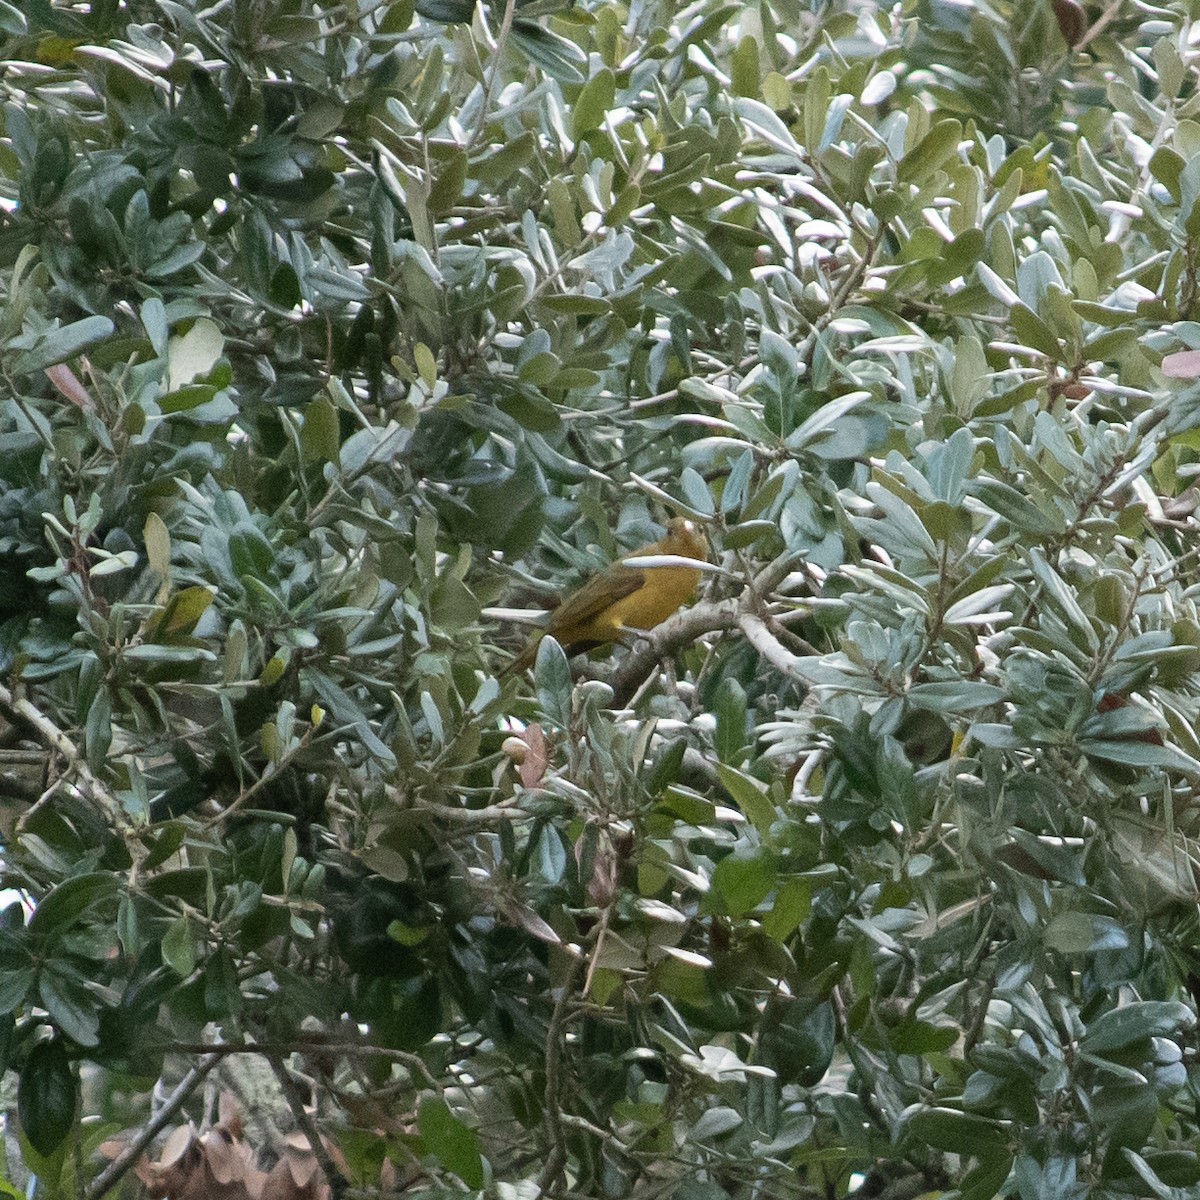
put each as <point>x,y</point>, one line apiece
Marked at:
<point>532,769</point>
<point>67,384</point>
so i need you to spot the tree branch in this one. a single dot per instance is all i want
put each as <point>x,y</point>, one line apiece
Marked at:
<point>507,810</point>
<point>680,630</point>
<point>115,1171</point>
<point>684,627</point>
<point>336,1180</point>
<point>555,1035</point>
<point>759,635</point>
<point>21,712</point>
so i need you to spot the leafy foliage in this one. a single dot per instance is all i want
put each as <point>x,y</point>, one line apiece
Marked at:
<point>329,330</point>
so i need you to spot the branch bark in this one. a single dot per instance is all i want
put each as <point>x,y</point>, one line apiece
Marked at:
<point>680,630</point>
<point>711,616</point>
<point>759,635</point>
<point>22,712</point>
<point>116,1170</point>
<point>338,1183</point>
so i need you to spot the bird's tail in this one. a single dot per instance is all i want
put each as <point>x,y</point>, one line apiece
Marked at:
<point>523,661</point>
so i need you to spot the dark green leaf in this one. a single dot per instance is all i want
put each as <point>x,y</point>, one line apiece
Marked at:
<point>46,1097</point>
<point>559,58</point>
<point>71,1006</point>
<point>453,1143</point>
<point>57,911</point>
<point>1120,1027</point>
<point>58,345</point>
<point>593,103</point>
<point>1085,933</point>
<point>959,1133</point>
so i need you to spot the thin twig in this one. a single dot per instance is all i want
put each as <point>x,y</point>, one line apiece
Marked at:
<point>489,84</point>
<point>113,1173</point>
<point>1099,24</point>
<point>291,1092</point>
<point>21,712</point>
<point>557,1158</point>
<point>313,1046</point>
<point>272,772</point>
<point>505,811</point>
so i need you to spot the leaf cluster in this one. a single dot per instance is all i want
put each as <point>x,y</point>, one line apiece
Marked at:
<point>331,333</point>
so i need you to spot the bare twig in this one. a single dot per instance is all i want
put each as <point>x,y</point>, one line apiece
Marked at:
<point>489,84</point>
<point>507,810</point>
<point>115,1171</point>
<point>316,1046</point>
<point>1099,24</point>
<point>759,635</point>
<point>25,714</point>
<point>272,772</point>
<point>304,1122</point>
<point>555,1034</point>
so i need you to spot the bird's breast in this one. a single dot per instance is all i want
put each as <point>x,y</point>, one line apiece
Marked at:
<point>665,590</point>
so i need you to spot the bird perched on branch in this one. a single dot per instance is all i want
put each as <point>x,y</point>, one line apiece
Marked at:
<point>620,597</point>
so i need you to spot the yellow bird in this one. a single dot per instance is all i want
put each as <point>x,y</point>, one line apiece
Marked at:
<point>619,598</point>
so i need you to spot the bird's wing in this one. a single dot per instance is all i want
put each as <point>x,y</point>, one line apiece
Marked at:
<point>598,593</point>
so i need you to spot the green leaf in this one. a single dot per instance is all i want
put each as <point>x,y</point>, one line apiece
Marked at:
<point>749,794</point>
<point>179,947</point>
<point>741,882</point>
<point>320,436</point>
<point>193,353</point>
<point>793,903</point>
<point>98,730</point>
<point>921,1037</point>
<point>12,21</point>
<point>185,399</point>
<point>7,1025</point>
<point>593,103</point>
<point>1034,332</point>
<point>154,321</point>
<point>931,152</point>
<point>559,58</point>
<point>745,71</point>
<point>128,932</point>
<point>450,12</point>
<point>729,740</point>
<point>1017,509</point>
<point>57,345</point>
<point>60,908</point>
<point>15,981</point>
<point>46,1097</point>
<point>450,1140</point>
<point>959,1133</point>
<point>71,1006</point>
<point>552,678</point>
<point>959,695</point>
<point>696,493</point>
<point>1166,165</point>
<point>182,612</point>
<point>1084,933</point>
<point>550,855</point>
<point>1121,1027</point>
<point>1151,1178</point>
<point>798,1039</point>
<point>984,1181</point>
<point>738,482</point>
